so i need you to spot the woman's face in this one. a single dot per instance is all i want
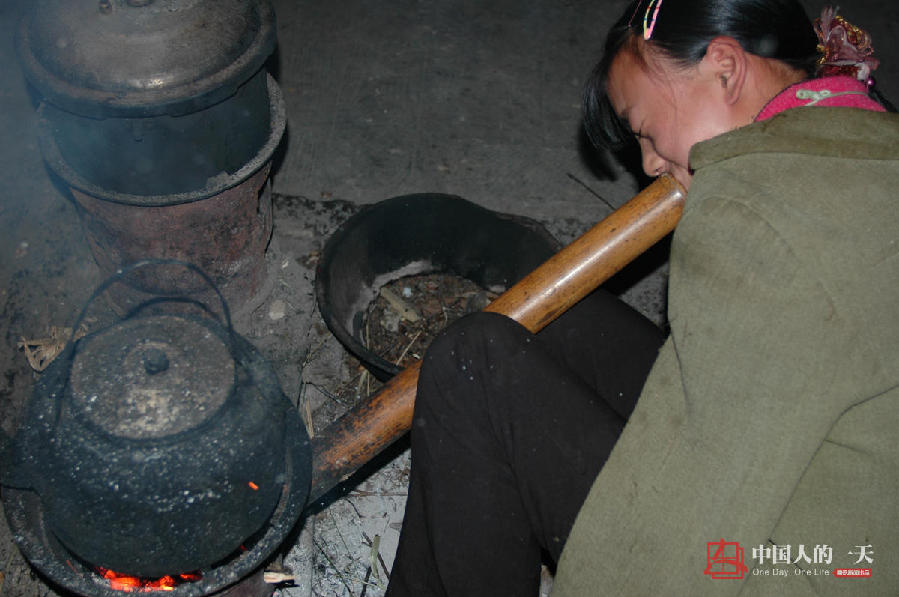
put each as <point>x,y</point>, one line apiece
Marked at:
<point>669,108</point>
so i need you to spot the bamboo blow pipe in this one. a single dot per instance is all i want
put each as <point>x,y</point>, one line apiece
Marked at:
<point>535,301</point>
<point>597,255</point>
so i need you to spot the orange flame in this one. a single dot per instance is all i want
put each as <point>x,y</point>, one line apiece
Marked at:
<point>129,584</point>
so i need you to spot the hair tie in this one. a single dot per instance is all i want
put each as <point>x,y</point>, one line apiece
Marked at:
<point>845,49</point>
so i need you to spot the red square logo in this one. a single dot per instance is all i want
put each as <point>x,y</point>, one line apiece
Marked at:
<point>724,559</point>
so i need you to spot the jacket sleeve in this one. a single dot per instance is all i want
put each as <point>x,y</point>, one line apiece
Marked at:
<point>739,400</point>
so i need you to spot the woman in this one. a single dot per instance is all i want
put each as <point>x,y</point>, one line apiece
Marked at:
<point>767,418</point>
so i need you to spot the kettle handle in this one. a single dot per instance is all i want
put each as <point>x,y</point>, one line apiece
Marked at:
<point>127,269</point>
<point>18,457</point>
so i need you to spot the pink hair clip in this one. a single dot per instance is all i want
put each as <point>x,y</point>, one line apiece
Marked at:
<point>650,24</point>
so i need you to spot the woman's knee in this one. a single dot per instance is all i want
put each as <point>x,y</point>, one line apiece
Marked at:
<point>457,365</point>
<point>474,334</point>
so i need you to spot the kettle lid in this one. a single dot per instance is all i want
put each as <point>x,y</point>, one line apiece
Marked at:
<point>151,377</point>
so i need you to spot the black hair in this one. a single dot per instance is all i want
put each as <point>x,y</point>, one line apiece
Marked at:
<point>777,29</point>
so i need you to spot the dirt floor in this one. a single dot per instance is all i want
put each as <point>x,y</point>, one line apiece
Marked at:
<point>477,99</point>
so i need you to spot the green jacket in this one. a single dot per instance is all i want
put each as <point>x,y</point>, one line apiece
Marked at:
<point>771,417</point>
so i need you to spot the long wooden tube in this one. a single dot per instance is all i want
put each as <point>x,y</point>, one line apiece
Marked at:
<point>544,294</point>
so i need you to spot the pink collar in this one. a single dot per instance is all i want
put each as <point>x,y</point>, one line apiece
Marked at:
<point>826,91</point>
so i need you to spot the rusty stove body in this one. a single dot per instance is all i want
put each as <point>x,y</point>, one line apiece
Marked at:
<point>160,117</point>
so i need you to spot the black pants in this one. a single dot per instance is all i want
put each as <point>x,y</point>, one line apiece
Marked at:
<point>510,430</point>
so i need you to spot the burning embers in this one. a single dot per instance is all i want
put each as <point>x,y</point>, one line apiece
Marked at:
<point>131,584</point>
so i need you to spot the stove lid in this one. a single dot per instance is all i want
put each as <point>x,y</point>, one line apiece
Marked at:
<point>151,377</point>
<point>143,57</point>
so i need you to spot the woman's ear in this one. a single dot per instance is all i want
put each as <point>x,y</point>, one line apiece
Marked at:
<point>726,61</point>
